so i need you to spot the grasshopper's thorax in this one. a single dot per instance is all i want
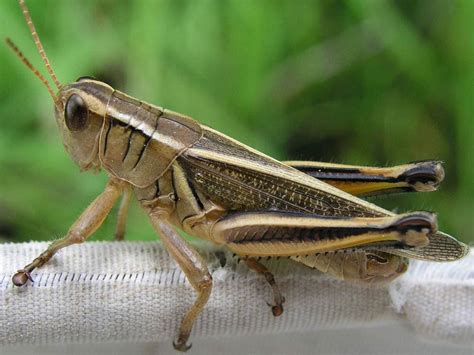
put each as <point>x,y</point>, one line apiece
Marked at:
<point>80,117</point>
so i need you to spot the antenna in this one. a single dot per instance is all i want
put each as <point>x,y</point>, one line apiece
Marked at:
<point>32,68</point>
<point>37,41</point>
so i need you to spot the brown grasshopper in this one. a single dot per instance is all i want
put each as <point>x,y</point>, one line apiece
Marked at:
<point>189,176</point>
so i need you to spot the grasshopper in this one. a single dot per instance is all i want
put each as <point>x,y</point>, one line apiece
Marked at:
<point>188,176</point>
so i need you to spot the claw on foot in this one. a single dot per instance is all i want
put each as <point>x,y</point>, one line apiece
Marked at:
<point>277,309</point>
<point>21,278</point>
<point>181,345</point>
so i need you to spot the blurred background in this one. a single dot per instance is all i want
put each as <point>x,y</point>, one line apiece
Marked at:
<point>356,82</point>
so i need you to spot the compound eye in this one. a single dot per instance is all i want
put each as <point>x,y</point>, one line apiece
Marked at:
<point>76,113</point>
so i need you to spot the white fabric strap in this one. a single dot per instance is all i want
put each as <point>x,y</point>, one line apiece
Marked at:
<point>133,291</point>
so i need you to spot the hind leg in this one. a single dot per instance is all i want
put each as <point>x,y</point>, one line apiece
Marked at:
<point>277,308</point>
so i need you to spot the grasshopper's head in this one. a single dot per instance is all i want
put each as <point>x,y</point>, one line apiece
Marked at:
<point>79,107</point>
<point>80,113</point>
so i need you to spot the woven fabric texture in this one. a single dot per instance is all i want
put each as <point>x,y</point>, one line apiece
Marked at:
<point>133,291</point>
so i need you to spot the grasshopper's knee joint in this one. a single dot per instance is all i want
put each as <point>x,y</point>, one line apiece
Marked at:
<point>417,227</point>
<point>205,284</point>
<point>76,237</point>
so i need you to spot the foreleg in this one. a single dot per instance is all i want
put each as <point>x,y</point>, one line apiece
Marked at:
<point>87,223</point>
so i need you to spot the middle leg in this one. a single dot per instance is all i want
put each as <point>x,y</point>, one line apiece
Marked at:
<point>88,222</point>
<point>193,266</point>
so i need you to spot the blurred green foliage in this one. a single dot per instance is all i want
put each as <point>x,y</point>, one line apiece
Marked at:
<point>356,81</point>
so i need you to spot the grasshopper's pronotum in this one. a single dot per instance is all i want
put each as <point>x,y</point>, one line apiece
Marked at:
<point>189,176</point>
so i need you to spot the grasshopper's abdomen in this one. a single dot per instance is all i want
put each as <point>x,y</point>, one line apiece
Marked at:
<point>139,141</point>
